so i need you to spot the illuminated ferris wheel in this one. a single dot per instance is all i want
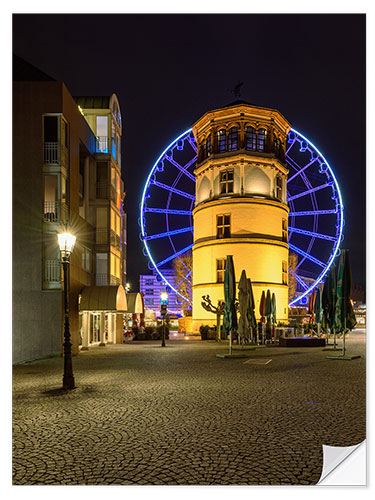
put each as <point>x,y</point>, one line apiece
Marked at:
<point>315,224</point>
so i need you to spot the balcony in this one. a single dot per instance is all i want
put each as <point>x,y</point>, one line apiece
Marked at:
<point>52,272</point>
<point>101,236</point>
<point>102,190</point>
<point>101,279</point>
<point>55,154</point>
<point>102,144</point>
<point>115,240</point>
<point>55,211</point>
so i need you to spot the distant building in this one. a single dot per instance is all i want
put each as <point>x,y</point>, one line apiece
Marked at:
<point>151,286</point>
<point>66,176</point>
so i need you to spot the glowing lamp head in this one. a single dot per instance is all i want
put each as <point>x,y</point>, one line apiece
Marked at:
<point>66,243</point>
<point>164,297</point>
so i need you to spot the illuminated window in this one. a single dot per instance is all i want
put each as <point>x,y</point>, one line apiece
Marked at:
<point>261,140</point>
<point>251,139</point>
<point>202,150</point>
<point>220,270</point>
<point>284,230</point>
<point>223,226</point>
<point>233,139</point>
<point>149,291</point>
<point>226,181</point>
<point>149,282</point>
<point>222,141</point>
<point>285,272</point>
<point>279,187</point>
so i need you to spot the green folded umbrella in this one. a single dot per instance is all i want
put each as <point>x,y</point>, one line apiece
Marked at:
<point>318,311</point>
<point>344,315</point>
<point>273,308</point>
<point>267,307</point>
<point>230,314</point>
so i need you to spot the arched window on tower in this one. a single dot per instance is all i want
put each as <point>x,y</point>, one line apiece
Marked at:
<point>250,139</point>
<point>233,139</point>
<point>208,146</point>
<point>222,140</point>
<point>261,139</point>
<point>280,152</point>
<point>274,144</point>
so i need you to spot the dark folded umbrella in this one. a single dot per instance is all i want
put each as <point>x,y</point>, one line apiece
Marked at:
<point>262,306</point>
<point>230,314</point>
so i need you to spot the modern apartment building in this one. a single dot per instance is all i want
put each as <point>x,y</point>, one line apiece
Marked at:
<point>66,176</point>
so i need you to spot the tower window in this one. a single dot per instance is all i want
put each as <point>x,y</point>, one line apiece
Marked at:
<point>285,272</point>
<point>261,139</point>
<point>233,139</point>
<point>208,146</point>
<point>226,182</point>
<point>203,150</point>
<point>222,140</point>
<point>251,139</point>
<point>284,230</point>
<point>223,226</point>
<point>220,270</point>
<point>279,187</point>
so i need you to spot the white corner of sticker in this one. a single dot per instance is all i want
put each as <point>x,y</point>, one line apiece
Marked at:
<point>344,465</point>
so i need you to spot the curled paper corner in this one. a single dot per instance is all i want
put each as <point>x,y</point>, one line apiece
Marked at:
<point>344,465</point>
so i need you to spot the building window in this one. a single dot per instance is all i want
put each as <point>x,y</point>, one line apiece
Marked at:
<point>101,269</point>
<point>203,150</point>
<point>86,259</point>
<point>149,282</point>
<point>233,139</point>
<point>208,146</point>
<point>285,272</point>
<point>279,187</point>
<point>149,302</point>
<point>223,226</point>
<point>220,270</point>
<point>222,140</point>
<point>102,134</point>
<point>149,291</point>
<point>284,230</point>
<point>251,139</point>
<point>261,139</point>
<point>226,182</point>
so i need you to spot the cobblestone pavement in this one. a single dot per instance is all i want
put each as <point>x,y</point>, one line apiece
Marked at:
<point>143,414</point>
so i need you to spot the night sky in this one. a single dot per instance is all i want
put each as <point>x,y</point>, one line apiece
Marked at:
<point>168,70</point>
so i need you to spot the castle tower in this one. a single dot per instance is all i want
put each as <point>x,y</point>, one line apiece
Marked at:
<point>241,207</point>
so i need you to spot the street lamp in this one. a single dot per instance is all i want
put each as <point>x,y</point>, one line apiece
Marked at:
<point>66,244</point>
<point>163,312</point>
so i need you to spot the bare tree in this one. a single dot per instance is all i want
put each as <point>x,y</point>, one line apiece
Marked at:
<point>218,310</point>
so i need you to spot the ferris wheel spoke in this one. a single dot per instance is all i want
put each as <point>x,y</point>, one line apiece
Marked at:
<point>311,233</point>
<point>313,212</point>
<point>168,211</point>
<point>298,278</point>
<point>182,169</point>
<point>172,189</point>
<point>312,190</point>
<point>171,257</point>
<point>191,142</point>
<point>184,278</point>
<point>168,233</point>
<point>190,163</point>
<point>306,255</point>
<point>301,170</point>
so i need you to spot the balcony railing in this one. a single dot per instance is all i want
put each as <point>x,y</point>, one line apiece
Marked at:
<point>115,239</point>
<point>114,280</point>
<point>55,153</point>
<point>52,271</point>
<point>102,144</point>
<point>101,235</point>
<point>102,190</point>
<point>55,211</point>
<point>101,279</point>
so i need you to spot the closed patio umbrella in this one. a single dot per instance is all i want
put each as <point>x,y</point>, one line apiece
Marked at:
<point>318,311</point>
<point>267,313</point>
<point>310,309</point>
<point>344,315</point>
<point>230,315</point>
<point>273,314</point>
<point>243,299</point>
<point>262,311</point>
<point>329,297</point>
<point>251,310</point>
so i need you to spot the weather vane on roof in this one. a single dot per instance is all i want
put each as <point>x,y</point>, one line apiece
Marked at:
<point>237,89</point>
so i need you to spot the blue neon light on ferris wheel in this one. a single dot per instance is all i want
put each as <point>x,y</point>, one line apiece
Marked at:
<point>294,136</point>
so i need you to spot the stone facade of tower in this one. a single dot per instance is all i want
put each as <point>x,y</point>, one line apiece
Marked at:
<point>241,207</point>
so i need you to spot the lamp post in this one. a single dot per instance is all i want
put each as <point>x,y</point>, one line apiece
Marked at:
<point>163,312</point>
<point>66,244</point>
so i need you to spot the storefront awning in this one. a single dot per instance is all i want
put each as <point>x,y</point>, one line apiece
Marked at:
<point>103,298</point>
<point>135,305</point>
